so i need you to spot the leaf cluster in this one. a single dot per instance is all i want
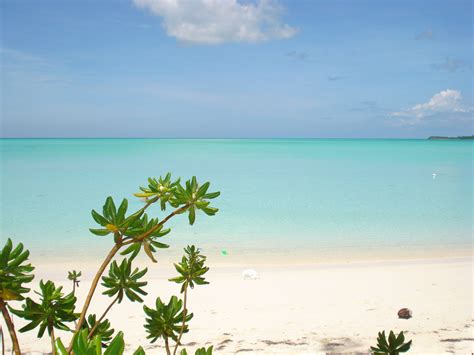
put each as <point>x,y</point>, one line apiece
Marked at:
<point>140,232</point>
<point>14,272</point>
<point>74,277</point>
<point>195,197</point>
<point>103,329</point>
<point>54,309</point>
<point>82,345</point>
<point>151,230</point>
<point>122,281</point>
<point>200,351</point>
<point>192,195</point>
<point>394,345</point>
<point>134,232</point>
<point>161,188</point>
<point>164,321</point>
<point>191,268</point>
<point>112,219</point>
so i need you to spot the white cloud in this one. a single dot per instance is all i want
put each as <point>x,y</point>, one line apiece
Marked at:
<point>220,21</point>
<point>448,103</point>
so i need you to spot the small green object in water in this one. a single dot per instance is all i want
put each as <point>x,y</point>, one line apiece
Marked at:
<point>224,252</point>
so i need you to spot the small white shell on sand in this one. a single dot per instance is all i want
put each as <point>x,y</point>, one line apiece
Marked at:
<point>249,274</point>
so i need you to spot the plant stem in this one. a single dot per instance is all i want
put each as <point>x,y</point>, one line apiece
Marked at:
<point>3,340</point>
<point>183,324</point>
<point>102,317</point>
<point>109,258</point>
<point>155,228</point>
<point>167,345</point>
<point>99,273</point>
<point>51,330</point>
<point>141,211</point>
<point>10,326</point>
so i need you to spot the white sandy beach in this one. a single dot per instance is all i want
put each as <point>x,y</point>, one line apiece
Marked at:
<point>319,308</point>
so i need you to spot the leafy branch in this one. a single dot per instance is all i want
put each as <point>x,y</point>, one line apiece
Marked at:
<point>14,274</point>
<point>121,282</point>
<point>74,277</point>
<point>53,310</point>
<point>132,233</point>
<point>191,270</point>
<point>170,321</point>
<point>139,232</point>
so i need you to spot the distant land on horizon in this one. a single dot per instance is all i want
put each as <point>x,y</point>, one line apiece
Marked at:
<point>444,138</point>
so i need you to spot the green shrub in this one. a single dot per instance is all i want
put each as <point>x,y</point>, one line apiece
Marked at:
<point>394,346</point>
<point>15,273</point>
<point>74,277</point>
<point>131,234</point>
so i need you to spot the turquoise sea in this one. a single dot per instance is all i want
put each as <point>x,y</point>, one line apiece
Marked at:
<point>278,195</point>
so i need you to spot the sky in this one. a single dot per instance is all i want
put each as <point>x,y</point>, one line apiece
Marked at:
<point>228,68</point>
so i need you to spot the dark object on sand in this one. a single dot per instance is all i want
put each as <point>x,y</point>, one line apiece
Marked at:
<point>404,313</point>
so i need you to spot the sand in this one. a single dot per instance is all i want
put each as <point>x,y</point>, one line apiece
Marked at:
<point>304,309</point>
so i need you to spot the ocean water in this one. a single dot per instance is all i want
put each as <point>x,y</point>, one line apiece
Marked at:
<point>278,195</point>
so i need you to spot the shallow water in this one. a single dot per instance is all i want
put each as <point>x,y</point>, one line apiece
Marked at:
<point>277,195</point>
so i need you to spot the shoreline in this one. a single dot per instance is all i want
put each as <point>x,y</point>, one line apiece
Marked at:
<point>272,258</point>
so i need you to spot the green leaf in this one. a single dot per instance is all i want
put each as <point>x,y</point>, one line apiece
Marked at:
<point>133,249</point>
<point>59,347</point>
<point>212,195</point>
<point>210,211</point>
<point>110,209</point>
<point>400,339</point>
<point>203,189</point>
<point>382,340</point>
<point>139,351</point>
<point>148,252</point>
<point>100,232</point>
<point>122,210</point>
<point>99,219</point>
<point>116,346</point>
<point>405,347</point>
<point>192,215</point>
<point>392,340</point>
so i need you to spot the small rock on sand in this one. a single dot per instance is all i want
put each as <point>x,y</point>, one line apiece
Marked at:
<point>405,313</point>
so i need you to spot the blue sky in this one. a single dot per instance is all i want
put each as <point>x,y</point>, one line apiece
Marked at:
<point>227,68</point>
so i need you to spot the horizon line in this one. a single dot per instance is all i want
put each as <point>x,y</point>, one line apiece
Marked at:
<point>241,138</point>
<point>222,138</point>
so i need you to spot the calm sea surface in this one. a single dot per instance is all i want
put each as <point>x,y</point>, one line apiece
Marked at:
<point>277,195</point>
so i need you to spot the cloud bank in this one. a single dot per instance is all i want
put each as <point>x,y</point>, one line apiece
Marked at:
<point>447,104</point>
<point>220,21</point>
